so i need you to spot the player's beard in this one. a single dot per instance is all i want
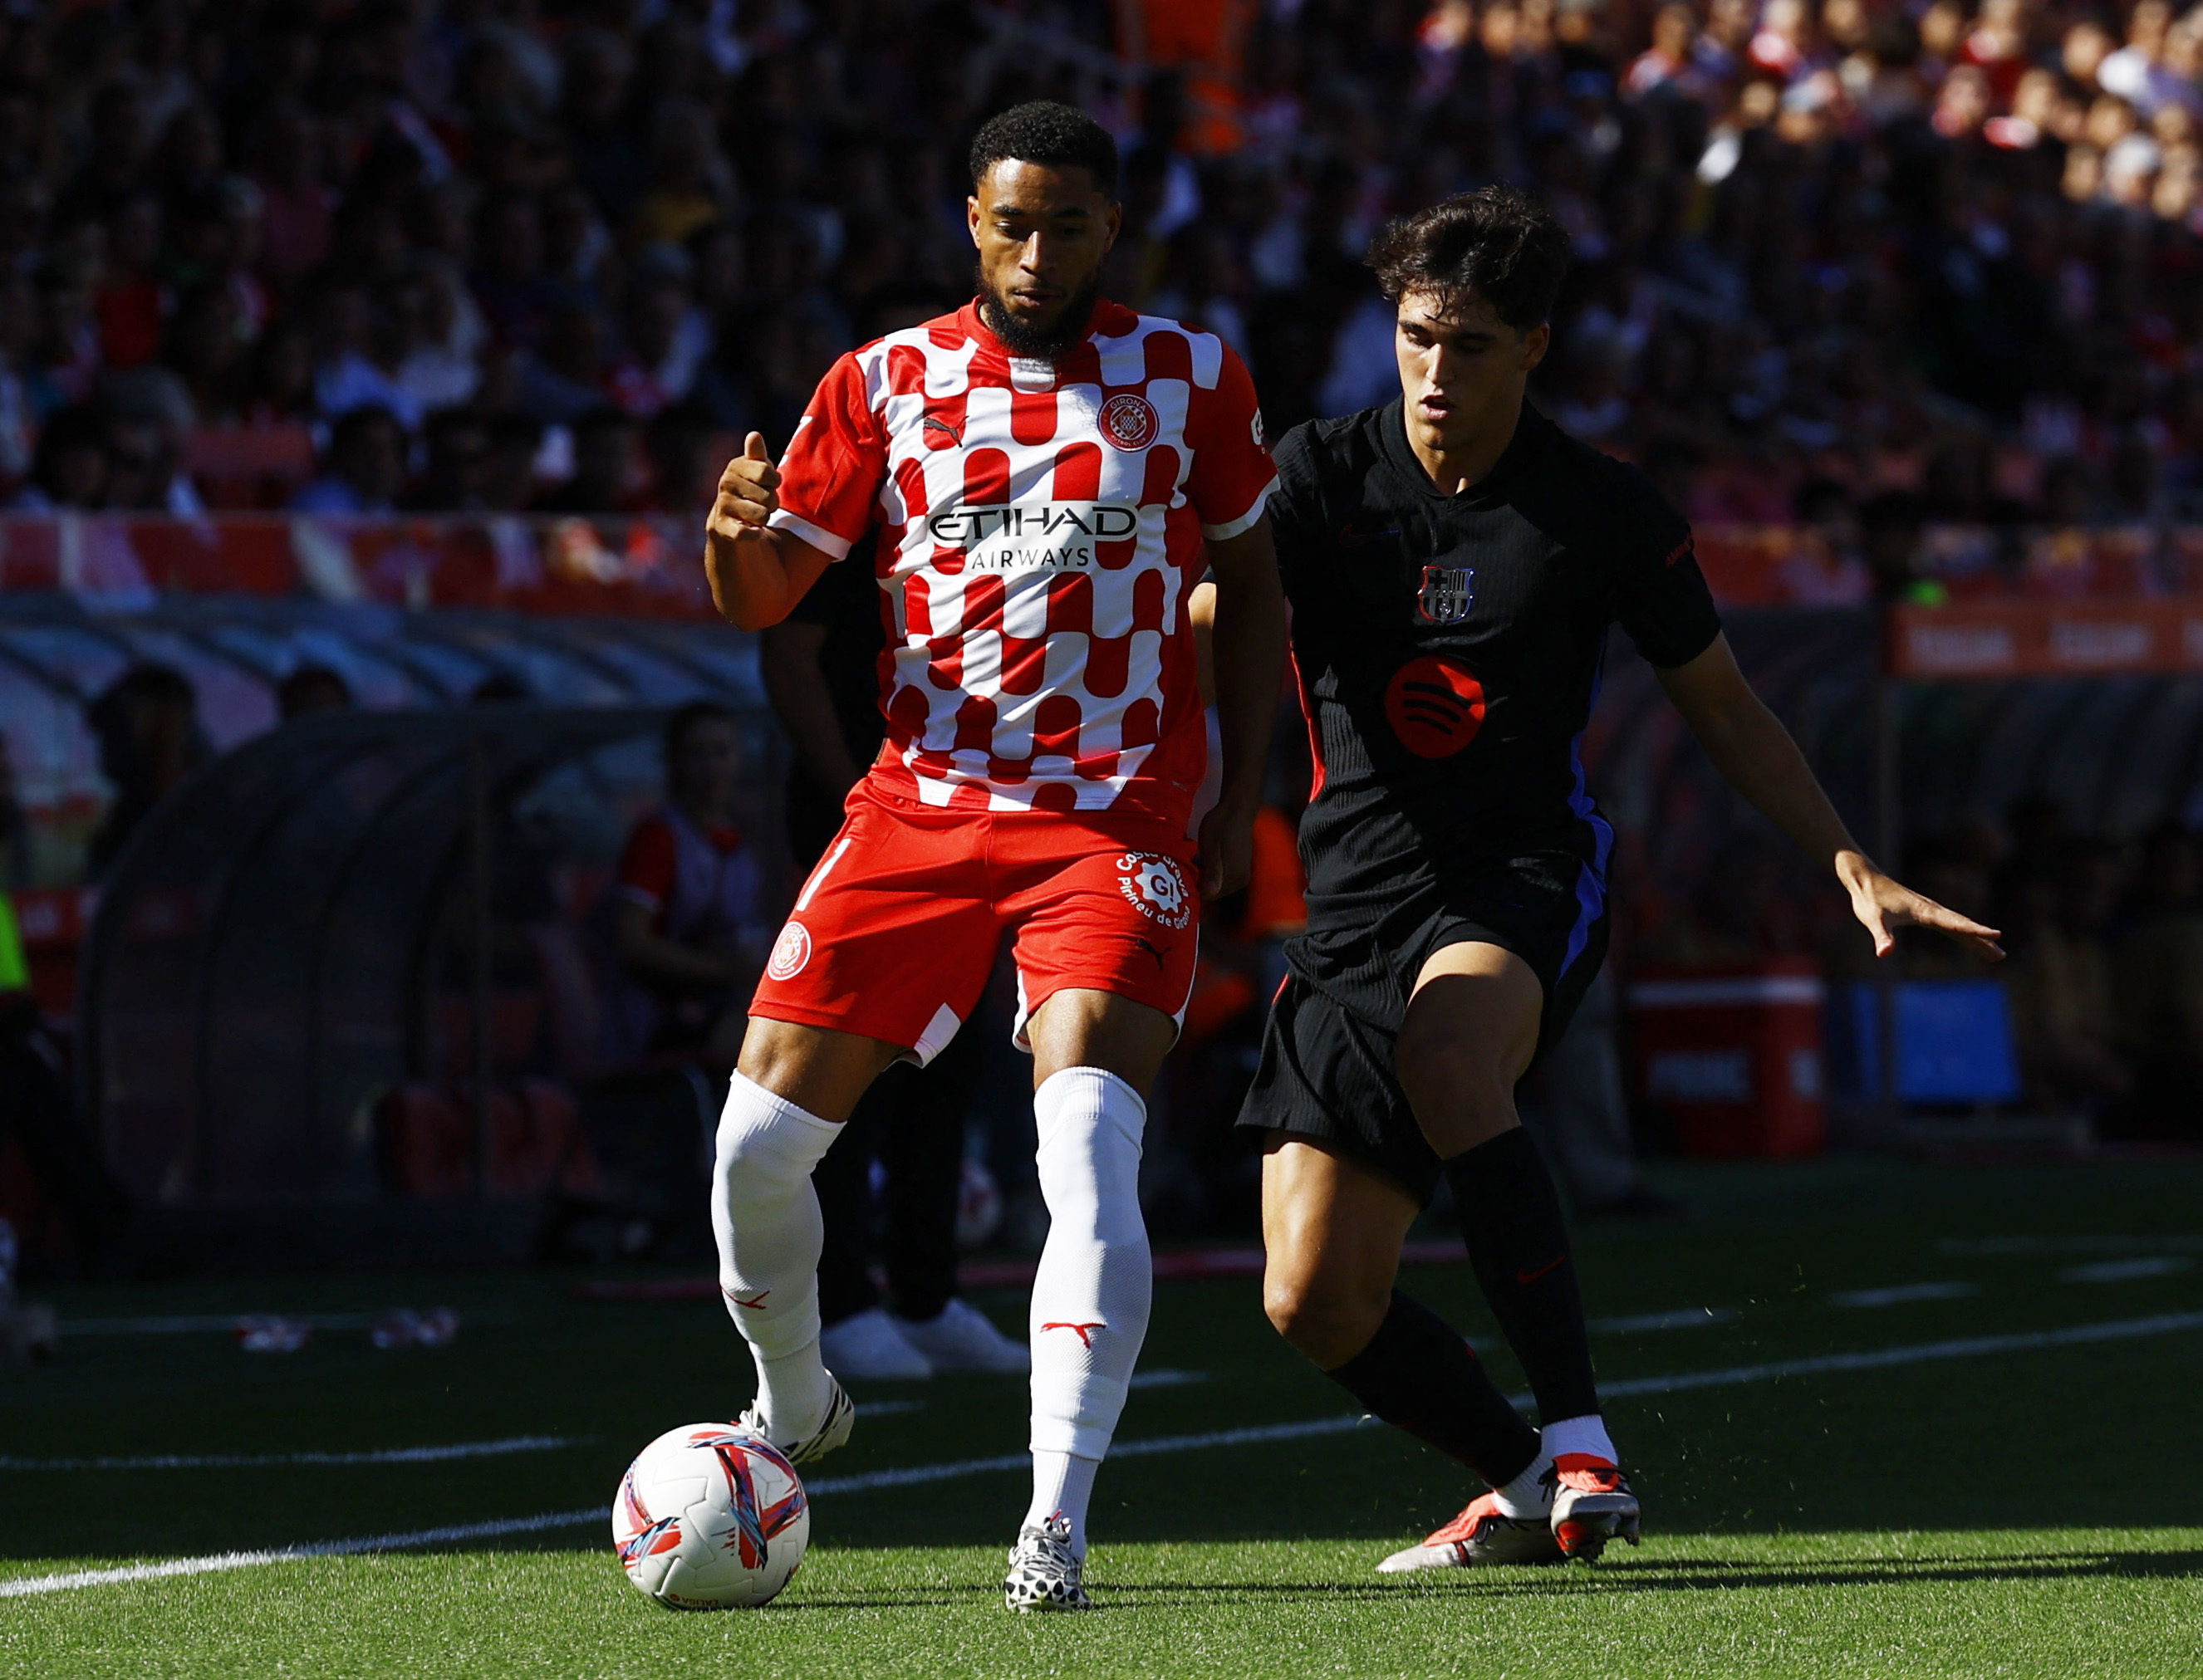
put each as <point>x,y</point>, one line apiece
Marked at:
<point>1035,344</point>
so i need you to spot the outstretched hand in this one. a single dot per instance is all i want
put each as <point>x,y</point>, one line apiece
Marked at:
<point>1883,905</point>
<point>746,498</point>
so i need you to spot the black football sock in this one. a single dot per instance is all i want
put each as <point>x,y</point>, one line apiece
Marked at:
<point>1418,1374</point>
<point>1518,1241</point>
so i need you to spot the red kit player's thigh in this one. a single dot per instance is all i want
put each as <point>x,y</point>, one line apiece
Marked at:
<point>1107,913</point>
<point>892,937</point>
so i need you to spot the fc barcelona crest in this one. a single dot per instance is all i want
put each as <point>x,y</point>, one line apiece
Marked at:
<point>1446,593</point>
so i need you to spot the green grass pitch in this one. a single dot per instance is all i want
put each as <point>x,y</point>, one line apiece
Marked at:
<point>2012,1506</point>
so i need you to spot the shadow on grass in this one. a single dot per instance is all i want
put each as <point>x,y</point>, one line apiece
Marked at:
<point>1650,1574</point>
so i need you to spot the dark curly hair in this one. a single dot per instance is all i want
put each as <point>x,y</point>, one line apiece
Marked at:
<point>1494,244</point>
<point>1046,131</point>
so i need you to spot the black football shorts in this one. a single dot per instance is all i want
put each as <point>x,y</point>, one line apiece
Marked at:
<point>1326,1070</point>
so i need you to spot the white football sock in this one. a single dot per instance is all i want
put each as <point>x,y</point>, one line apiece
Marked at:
<point>1586,1434</point>
<point>1527,1495</point>
<point>1092,1295</point>
<point>1063,1486</point>
<point>766,1216</point>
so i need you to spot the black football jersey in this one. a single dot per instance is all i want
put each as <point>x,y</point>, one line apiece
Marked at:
<point>1448,646</point>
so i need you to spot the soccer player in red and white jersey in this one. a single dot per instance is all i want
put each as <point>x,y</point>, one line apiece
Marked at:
<point>1050,474</point>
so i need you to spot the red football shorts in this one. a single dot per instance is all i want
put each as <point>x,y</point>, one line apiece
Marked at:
<point>894,933</point>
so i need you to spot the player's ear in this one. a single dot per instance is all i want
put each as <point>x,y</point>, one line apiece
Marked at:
<point>1535,342</point>
<point>1112,222</point>
<point>972,217</point>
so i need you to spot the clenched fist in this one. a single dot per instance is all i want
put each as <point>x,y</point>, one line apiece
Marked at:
<point>747,495</point>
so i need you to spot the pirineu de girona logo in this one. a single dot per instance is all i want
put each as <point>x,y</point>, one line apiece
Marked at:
<point>1046,535</point>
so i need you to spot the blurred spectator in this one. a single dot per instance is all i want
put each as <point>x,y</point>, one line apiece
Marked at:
<point>693,926</point>
<point>455,473</point>
<point>362,468</point>
<point>2157,992</point>
<point>1816,240</point>
<point>147,725</point>
<point>2064,1016</point>
<point>69,469</point>
<point>603,479</point>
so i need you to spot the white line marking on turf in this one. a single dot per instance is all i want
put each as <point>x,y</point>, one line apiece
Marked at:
<point>1916,1352</point>
<point>26,1586</point>
<point>1682,1319</point>
<point>2168,1323</point>
<point>2121,1271</point>
<point>387,1455</point>
<point>1900,1294</point>
<point>2188,1241</point>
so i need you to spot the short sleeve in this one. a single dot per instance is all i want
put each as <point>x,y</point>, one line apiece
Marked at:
<point>831,475</point>
<point>1660,595</point>
<point>646,865</point>
<point>1232,472</point>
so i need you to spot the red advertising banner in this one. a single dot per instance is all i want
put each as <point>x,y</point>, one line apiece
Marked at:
<point>2008,639</point>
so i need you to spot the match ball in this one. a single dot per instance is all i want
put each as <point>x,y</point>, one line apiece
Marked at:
<point>710,1517</point>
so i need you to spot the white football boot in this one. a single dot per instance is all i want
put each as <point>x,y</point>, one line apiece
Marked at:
<point>871,1345</point>
<point>1044,1571</point>
<point>840,1418</point>
<point>963,1338</point>
<point>1481,1536</point>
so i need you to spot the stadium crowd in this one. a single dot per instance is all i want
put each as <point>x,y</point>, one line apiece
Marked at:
<point>1835,258</point>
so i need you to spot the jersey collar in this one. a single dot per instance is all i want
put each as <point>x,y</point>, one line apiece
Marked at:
<point>1110,320</point>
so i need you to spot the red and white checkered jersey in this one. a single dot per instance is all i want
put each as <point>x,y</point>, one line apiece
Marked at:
<point>1041,527</point>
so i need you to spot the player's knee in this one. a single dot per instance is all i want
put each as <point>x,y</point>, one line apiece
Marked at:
<point>1326,1317</point>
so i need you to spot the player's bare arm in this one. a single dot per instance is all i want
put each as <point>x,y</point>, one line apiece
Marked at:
<point>1246,611</point>
<point>1757,757</point>
<point>788,659</point>
<point>757,574</point>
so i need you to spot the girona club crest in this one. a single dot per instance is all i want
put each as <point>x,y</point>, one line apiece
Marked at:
<point>1154,885</point>
<point>1446,595</point>
<point>1129,420</point>
<point>790,952</point>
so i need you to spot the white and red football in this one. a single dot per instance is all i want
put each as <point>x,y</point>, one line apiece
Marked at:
<point>710,1517</point>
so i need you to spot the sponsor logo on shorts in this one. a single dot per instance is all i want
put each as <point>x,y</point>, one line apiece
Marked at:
<point>790,952</point>
<point>1129,420</point>
<point>1155,887</point>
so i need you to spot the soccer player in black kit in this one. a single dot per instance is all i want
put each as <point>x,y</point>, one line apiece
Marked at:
<point>1454,560</point>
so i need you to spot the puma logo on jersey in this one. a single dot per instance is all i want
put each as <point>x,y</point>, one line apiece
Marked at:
<point>934,423</point>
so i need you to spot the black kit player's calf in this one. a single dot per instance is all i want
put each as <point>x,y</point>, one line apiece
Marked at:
<point>1518,1243</point>
<point>1418,1374</point>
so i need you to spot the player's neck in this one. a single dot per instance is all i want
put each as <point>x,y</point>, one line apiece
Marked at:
<point>1460,463</point>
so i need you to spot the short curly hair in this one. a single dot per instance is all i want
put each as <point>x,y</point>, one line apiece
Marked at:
<point>1494,244</point>
<point>1047,131</point>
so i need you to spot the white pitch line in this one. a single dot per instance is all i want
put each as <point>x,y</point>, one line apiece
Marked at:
<point>1903,1294</point>
<point>385,1455</point>
<point>1918,1352</point>
<point>2168,1323</point>
<point>26,1586</point>
<point>2126,1271</point>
